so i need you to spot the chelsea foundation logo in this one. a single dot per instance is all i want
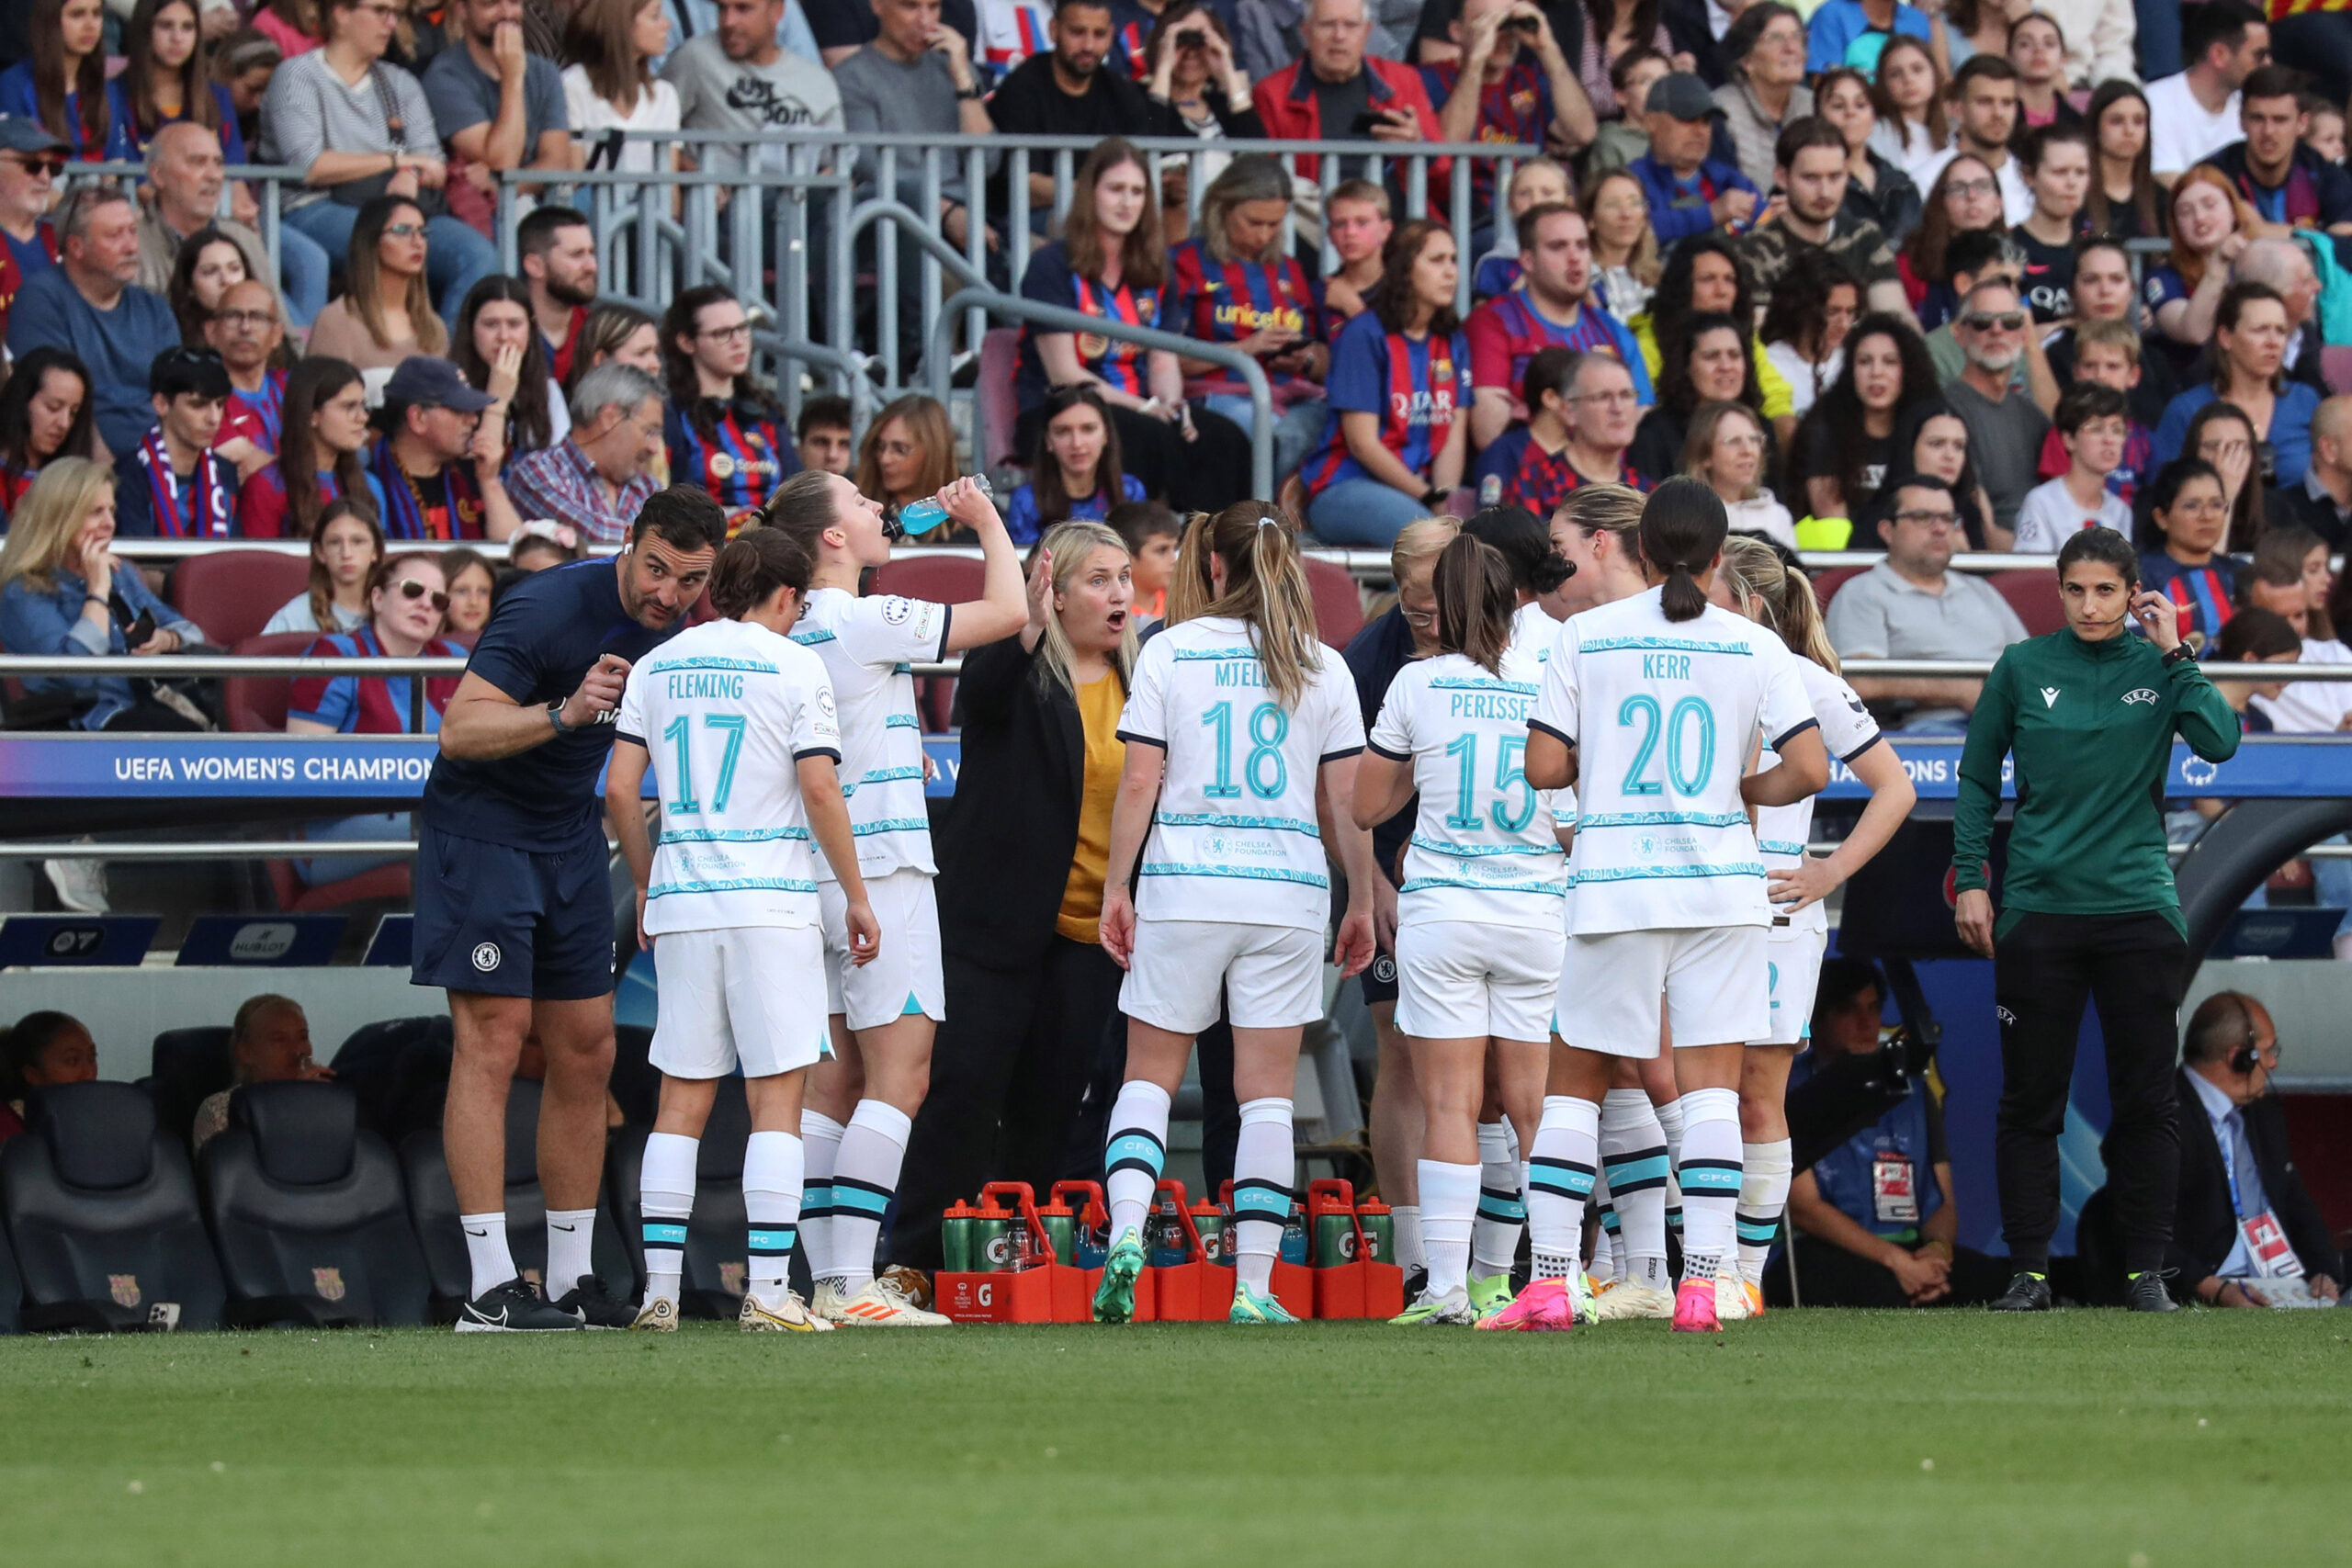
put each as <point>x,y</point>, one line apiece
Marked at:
<point>486,956</point>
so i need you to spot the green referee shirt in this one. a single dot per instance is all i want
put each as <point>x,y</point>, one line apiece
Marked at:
<point>2090,726</point>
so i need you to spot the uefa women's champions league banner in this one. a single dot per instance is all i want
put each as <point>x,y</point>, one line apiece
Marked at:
<point>394,768</point>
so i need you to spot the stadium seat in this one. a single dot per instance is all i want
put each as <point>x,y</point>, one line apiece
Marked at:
<point>1827,580</point>
<point>233,593</point>
<point>2034,596</point>
<point>400,1071</point>
<point>1339,603</point>
<point>993,407</point>
<point>255,705</point>
<point>187,1066</point>
<point>944,580</point>
<point>381,883</point>
<point>432,1205</point>
<point>637,1082</point>
<point>103,1212</point>
<point>717,1240</point>
<point>2336,365</point>
<point>306,1211</point>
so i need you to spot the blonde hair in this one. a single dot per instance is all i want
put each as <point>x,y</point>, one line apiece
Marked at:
<point>1603,508</point>
<point>1265,589</point>
<point>1423,540</point>
<point>41,532</point>
<point>1699,446</point>
<point>1070,543</point>
<point>1757,576</point>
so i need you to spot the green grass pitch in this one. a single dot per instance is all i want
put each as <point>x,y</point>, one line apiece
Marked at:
<point>1807,1438</point>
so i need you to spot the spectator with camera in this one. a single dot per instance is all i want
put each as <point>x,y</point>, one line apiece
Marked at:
<point>1511,83</point>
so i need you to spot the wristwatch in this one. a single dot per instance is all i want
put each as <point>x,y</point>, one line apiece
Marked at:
<point>2184,654</point>
<point>555,717</point>
<point>965,95</point>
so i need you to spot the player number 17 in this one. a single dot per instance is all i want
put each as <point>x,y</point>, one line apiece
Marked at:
<point>678,733</point>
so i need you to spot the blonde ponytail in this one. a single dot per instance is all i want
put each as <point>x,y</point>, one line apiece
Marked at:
<point>1265,589</point>
<point>1757,575</point>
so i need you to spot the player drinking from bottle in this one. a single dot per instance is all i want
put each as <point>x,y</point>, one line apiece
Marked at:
<point>862,1100</point>
<point>738,724</point>
<point>1478,920</point>
<point>1756,582</point>
<point>1651,707</point>
<point>1243,731</point>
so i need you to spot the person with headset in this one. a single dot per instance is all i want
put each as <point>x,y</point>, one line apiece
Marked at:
<point>2089,909</point>
<point>2244,1233</point>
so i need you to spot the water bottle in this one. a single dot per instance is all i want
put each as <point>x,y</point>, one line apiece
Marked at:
<point>919,518</point>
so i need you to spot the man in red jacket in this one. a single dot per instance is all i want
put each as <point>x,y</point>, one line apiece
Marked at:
<point>1338,93</point>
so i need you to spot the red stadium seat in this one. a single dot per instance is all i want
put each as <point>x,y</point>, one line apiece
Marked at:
<point>1830,579</point>
<point>1339,603</point>
<point>233,593</point>
<point>386,883</point>
<point>2335,365</point>
<point>255,705</point>
<point>992,402</point>
<point>2034,596</point>
<point>944,580</point>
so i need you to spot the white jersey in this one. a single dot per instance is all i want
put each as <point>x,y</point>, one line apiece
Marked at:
<point>1481,849</point>
<point>1662,714</point>
<point>1532,630</point>
<point>866,645</point>
<point>1847,729</point>
<point>725,711</point>
<point>1237,804</point>
<point>2047,517</point>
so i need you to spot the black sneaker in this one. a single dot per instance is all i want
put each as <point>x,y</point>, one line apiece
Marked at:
<point>515,1307</point>
<point>2026,1292</point>
<point>1417,1285</point>
<point>2144,1291</point>
<point>593,1307</point>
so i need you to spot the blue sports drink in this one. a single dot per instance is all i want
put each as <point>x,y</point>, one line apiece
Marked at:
<point>919,518</point>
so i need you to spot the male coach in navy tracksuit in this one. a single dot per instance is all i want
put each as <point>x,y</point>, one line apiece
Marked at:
<point>514,915</point>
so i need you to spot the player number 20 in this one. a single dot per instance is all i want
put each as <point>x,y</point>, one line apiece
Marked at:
<point>1264,769</point>
<point>677,733</point>
<point>1643,710</point>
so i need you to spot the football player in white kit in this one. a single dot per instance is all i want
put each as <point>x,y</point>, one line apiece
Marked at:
<point>737,727</point>
<point>1756,582</point>
<point>1652,707</point>
<point>1478,924</point>
<point>1242,734</point>
<point>862,1100</point>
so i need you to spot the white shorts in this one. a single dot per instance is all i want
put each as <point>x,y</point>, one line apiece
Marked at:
<point>752,996</point>
<point>1269,977</point>
<point>904,976</point>
<point>1464,980</point>
<point>1710,984</point>
<point>1792,970</point>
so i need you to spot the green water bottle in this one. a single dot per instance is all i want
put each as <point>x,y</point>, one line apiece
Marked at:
<point>956,1237</point>
<point>1061,1229</point>
<point>1379,1230</point>
<point>1210,1223</point>
<point>992,1247</point>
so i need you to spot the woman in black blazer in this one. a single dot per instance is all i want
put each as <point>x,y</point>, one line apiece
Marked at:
<point>1023,855</point>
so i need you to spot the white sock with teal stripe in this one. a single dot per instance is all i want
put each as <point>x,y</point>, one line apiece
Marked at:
<point>1634,1154</point>
<point>820,1145</point>
<point>773,1179</point>
<point>1669,1122</point>
<point>1449,1204</point>
<point>1134,1155</point>
<point>665,1197</point>
<point>1710,1175</point>
<point>1266,1164</point>
<point>1560,1170</point>
<point>865,1177</point>
<point>1763,1193</point>
<point>1503,1209</point>
<point>1602,1268</point>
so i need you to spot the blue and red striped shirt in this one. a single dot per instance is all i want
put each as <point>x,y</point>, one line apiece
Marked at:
<point>737,450</point>
<point>1516,469</point>
<point>1508,331</point>
<point>2207,594</point>
<point>1225,302</point>
<point>368,704</point>
<point>1514,109</point>
<point>1051,281</point>
<point>1417,386</point>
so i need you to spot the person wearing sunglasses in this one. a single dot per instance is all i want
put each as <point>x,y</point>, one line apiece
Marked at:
<point>408,606</point>
<point>30,161</point>
<point>2006,429</point>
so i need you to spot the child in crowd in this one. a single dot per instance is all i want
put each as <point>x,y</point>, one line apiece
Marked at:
<point>1076,472</point>
<point>2107,354</point>
<point>1622,140</point>
<point>1151,534</point>
<point>2093,423</point>
<point>823,436</point>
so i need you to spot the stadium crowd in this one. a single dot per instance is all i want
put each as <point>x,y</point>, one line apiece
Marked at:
<point>1860,267</point>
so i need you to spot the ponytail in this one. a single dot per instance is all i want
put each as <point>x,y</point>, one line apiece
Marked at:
<point>1475,597</point>
<point>1683,528</point>
<point>801,510</point>
<point>1536,567</point>
<point>1778,595</point>
<point>752,567</point>
<point>1265,589</point>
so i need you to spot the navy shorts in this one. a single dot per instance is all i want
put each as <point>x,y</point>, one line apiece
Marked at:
<point>1379,979</point>
<point>510,922</point>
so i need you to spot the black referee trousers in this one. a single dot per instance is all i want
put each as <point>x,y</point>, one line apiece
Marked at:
<point>1009,1071</point>
<point>2044,968</point>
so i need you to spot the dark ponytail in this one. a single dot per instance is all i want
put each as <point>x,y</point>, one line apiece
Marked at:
<point>752,567</point>
<point>1474,601</point>
<point>1525,545</point>
<point>1683,528</point>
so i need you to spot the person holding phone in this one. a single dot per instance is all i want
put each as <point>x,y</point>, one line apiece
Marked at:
<point>1338,93</point>
<point>2089,909</point>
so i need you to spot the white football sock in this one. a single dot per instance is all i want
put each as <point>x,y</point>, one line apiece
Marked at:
<point>1410,1254</point>
<point>1602,1269</point>
<point>1503,1209</point>
<point>1265,1163</point>
<point>1133,1157</point>
<point>665,1197</point>
<point>773,1177</point>
<point>865,1177</point>
<point>1634,1150</point>
<point>1763,1194</point>
<point>571,1234</point>
<point>1710,1175</point>
<point>487,1254</point>
<point>1449,1202</point>
<point>1669,1122</point>
<point>820,1145</point>
<point>1560,1169</point>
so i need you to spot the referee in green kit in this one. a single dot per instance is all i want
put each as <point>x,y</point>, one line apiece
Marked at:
<point>2089,910</point>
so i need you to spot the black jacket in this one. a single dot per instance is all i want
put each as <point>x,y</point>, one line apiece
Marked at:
<point>2293,505</point>
<point>1005,847</point>
<point>2204,1227</point>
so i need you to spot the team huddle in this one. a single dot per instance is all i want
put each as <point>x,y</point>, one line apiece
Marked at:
<point>1606,928</point>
